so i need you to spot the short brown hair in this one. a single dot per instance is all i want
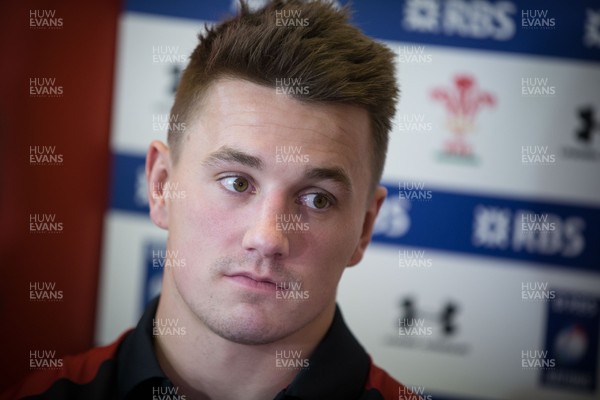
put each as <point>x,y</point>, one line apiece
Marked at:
<point>335,60</point>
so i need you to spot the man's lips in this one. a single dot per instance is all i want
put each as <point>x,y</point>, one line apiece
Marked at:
<point>253,281</point>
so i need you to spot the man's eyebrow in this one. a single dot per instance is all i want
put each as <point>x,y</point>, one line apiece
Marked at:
<point>229,154</point>
<point>336,174</point>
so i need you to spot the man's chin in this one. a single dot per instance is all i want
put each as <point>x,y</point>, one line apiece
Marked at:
<point>248,338</point>
<point>250,324</point>
<point>248,334</point>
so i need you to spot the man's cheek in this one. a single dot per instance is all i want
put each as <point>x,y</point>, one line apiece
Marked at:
<point>210,208</point>
<point>195,213</point>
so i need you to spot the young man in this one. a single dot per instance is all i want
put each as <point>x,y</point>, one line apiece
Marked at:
<point>286,132</point>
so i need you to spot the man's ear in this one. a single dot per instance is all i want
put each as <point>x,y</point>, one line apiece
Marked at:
<point>158,168</point>
<point>368,224</point>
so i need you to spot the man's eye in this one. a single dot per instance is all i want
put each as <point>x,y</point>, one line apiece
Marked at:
<point>236,183</point>
<point>316,200</point>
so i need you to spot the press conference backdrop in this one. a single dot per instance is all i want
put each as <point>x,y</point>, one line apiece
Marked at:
<point>483,278</point>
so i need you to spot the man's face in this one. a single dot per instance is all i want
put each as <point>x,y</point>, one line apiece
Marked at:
<point>275,202</point>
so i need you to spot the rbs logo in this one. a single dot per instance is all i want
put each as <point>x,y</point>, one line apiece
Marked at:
<point>525,231</point>
<point>471,19</point>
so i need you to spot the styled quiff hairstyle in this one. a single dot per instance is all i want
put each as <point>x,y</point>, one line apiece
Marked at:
<point>314,43</point>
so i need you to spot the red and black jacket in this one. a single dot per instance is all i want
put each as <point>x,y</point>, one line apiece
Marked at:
<point>339,368</point>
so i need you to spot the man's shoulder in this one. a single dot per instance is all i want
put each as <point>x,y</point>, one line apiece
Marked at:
<point>66,376</point>
<point>389,388</point>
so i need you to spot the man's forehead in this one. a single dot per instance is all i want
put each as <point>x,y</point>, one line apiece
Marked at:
<point>230,102</point>
<point>260,121</point>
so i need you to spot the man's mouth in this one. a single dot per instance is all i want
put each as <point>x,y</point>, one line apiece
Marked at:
<point>252,281</point>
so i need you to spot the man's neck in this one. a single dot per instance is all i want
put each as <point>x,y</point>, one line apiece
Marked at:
<point>203,365</point>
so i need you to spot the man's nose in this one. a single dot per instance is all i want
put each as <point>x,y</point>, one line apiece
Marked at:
<point>264,235</point>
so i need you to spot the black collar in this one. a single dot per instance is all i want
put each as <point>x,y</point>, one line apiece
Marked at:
<point>138,368</point>
<point>338,367</point>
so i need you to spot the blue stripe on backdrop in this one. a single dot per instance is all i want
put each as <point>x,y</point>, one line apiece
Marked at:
<point>499,226</point>
<point>566,29</point>
<point>129,189</point>
<point>519,229</point>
